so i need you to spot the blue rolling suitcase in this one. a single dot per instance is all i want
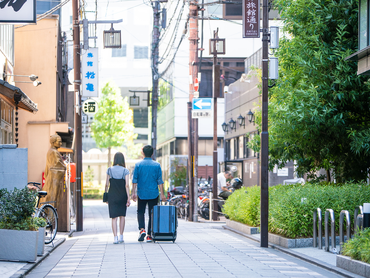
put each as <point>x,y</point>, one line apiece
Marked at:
<point>164,223</point>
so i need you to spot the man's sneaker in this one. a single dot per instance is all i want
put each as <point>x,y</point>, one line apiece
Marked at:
<point>120,239</point>
<point>149,239</point>
<point>142,235</point>
<point>115,241</point>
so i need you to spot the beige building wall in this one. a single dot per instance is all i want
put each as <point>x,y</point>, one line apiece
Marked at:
<point>35,48</point>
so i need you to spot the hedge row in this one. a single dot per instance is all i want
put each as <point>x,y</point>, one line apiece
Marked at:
<point>291,206</point>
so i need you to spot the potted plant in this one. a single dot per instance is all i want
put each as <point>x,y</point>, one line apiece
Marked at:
<point>19,231</point>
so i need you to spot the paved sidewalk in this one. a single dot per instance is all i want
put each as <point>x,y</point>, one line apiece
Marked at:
<point>201,250</point>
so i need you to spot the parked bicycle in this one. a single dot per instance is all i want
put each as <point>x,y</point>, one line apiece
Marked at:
<point>48,212</point>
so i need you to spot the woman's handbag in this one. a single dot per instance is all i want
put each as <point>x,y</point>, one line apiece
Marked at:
<point>105,197</point>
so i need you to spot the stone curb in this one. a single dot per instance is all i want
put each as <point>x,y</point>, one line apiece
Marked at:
<point>303,257</point>
<point>29,266</point>
<point>354,266</point>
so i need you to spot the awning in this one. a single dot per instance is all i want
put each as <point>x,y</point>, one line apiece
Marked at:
<point>359,54</point>
<point>11,93</point>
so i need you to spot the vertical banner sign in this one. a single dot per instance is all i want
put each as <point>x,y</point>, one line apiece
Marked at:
<point>251,18</point>
<point>90,73</point>
<point>19,11</point>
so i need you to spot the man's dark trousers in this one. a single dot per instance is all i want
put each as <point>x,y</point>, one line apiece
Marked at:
<point>141,206</point>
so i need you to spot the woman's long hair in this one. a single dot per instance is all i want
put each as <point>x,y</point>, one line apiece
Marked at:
<point>119,159</point>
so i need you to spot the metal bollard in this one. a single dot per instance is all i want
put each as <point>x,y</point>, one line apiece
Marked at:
<point>210,205</point>
<point>359,223</point>
<point>319,214</point>
<point>348,227</point>
<point>357,208</point>
<point>332,226</point>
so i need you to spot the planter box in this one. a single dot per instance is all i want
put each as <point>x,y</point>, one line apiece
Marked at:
<point>41,242</point>
<point>277,239</point>
<point>242,227</point>
<point>354,266</point>
<point>18,245</point>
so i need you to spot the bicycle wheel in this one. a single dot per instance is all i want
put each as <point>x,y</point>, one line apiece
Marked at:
<point>49,213</point>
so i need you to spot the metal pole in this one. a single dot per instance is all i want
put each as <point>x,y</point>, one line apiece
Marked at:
<point>264,133</point>
<point>216,86</point>
<point>190,152</point>
<point>155,75</point>
<point>78,130</point>
<point>193,73</point>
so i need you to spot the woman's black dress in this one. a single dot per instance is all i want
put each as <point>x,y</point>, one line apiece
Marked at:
<point>117,197</point>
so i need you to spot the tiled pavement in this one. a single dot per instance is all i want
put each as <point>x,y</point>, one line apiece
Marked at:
<point>201,250</point>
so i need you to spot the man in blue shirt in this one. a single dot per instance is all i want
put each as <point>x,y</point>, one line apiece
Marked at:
<point>147,177</point>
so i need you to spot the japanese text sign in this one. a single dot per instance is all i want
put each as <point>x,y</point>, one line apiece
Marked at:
<point>18,11</point>
<point>251,18</point>
<point>90,73</point>
<point>90,106</point>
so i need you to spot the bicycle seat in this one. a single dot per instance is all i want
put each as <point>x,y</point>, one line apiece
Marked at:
<point>42,193</point>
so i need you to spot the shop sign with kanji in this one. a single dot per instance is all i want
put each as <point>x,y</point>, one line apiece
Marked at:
<point>251,18</point>
<point>90,106</point>
<point>90,73</point>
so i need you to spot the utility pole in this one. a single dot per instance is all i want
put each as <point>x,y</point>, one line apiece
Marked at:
<point>193,132</point>
<point>264,133</point>
<point>216,92</point>
<point>78,130</point>
<point>155,74</point>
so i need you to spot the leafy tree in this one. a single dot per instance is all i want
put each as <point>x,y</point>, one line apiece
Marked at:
<point>164,94</point>
<point>319,108</point>
<point>112,125</point>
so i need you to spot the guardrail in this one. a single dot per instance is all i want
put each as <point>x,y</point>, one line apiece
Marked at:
<point>359,222</point>
<point>332,226</point>
<point>348,227</point>
<point>319,222</point>
<point>357,208</point>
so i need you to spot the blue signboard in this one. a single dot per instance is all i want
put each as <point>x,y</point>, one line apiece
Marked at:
<point>202,103</point>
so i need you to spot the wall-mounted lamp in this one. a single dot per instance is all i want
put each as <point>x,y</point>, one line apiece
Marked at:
<point>241,120</point>
<point>232,124</point>
<point>225,127</point>
<point>250,116</point>
<point>32,77</point>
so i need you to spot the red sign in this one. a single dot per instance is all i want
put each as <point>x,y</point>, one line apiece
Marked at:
<point>196,84</point>
<point>251,18</point>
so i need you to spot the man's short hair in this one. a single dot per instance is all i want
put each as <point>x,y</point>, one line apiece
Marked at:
<point>54,138</point>
<point>227,172</point>
<point>148,150</point>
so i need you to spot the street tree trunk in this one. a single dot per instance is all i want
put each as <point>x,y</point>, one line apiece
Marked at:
<point>328,178</point>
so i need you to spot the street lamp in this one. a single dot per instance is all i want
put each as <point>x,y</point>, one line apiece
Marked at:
<point>225,127</point>
<point>241,120</point>
<point>250,116</point>
<point>112,38</point>
<point>232,124</point>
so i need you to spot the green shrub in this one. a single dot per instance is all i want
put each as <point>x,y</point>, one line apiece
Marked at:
<point>291,206</point>
<point>358,248</point>
<point>244,206</point>
<point>16,209</point>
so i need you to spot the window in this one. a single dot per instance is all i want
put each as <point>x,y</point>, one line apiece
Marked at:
<point>363,21</point>
<point>119,52</point>
<point>141,52</point>
<point>236,148</point>
<point>6,123</point>
<point>240,64</point>
<point>141,117</point>
<point>246,150</point>
<point>142,137</point>
<point>7,41</point>
<point>233,11</point>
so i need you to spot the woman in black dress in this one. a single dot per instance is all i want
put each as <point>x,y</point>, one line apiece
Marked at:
<point>118,194</point>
